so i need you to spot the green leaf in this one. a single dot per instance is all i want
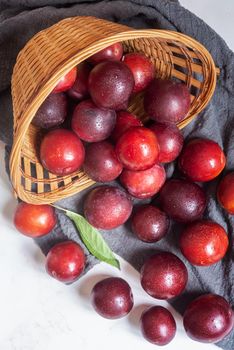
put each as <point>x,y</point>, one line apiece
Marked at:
<point>93,239</point>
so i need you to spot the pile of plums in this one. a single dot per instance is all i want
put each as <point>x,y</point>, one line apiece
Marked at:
<point>110,142</point>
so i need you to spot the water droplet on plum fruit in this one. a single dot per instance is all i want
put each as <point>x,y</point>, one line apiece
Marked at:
<point>112,298</point>
<point>167,101</point>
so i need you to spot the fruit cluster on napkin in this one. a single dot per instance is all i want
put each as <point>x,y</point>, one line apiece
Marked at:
<point>21,19</point>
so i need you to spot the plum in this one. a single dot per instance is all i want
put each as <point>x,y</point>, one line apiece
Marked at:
<point>101,162</point>
<point>66,82</point>
<point>167,101</point>
<point>62,152</point>
<point>34,220</point>
<point>204,243</point>
<point>208,318</point>
<point>113,52</point>
<point>170,141</point>
<point>111,84</point>
<point>158,325</point>
<point>202,160</point>
<point>124,121</point>
<point>225,193</point>
<point>142,69</point>
<point>144,183</point>
<point>112,298</point>
<point>137,148</point>
<point>183,200</point>
<point>65,261</point>
<point>149,223</point>
<point>91,123</point>
<point>164,276</point>
<point>107,207</point>
<point>79,89</point>
<point>52,112</point>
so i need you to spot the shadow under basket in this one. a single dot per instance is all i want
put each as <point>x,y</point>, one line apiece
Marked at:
<point>53,52</point>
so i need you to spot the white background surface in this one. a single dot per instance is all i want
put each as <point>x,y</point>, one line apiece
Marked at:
<point>39,313</point>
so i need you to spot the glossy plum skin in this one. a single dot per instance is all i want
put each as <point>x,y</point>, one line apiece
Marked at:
<point>122,106</point>
<point>158,325</point>
<point>208,318</point>
<point>79,89</point>
<point>170,141</point>
<point>149,223</point>
<point>111,84</point>
<point>204,243</point>
<point>62,152</point>
<point>142,69</point>
<point>225,193</point>
<point>202,160</point>
<point>65,261</point>
<point>34,220</point>
<point>124,121</point>
<point>101,162</point>
<point>164,276</point>
<point>107,207</point>
<point>91,123</point>
<point>66,82</point>
<point>167,101</point>
<point>52,112</point>
<point>113,52</point>
<point>144,183</point>
<point>138,148</point>
<point>112,298</point>
<point>183,200</point>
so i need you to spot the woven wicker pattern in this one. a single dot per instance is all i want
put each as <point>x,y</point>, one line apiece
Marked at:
<point>53,52</point>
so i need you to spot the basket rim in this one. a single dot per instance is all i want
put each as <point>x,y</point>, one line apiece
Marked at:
<point>43,91</point>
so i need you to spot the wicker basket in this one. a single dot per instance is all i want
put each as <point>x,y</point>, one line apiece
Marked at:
<point>53,52</point>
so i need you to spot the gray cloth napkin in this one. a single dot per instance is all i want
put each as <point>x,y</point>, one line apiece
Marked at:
<point>21,19</point>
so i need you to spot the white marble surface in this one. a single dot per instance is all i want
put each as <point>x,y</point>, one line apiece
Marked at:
<point>39,313</point>
<point>217,13</point>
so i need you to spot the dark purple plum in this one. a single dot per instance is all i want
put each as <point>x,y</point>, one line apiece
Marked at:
<point>91,123</point>
<point>107,207</point>
<point>149,223</point>
<point>158,325</point>
<point>111,84</point>
<point>101,162</point>
<point>52,112</point>
<point>208,318</point>
<point>170,141</point>
<point>182,200</point>
<point>167,101</point>
<point>164,276</point>
<point>112,298</point>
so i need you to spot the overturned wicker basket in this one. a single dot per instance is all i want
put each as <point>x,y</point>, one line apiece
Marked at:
<point>53,52</point>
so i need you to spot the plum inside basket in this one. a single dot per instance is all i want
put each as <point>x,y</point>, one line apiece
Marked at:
<point>66,44</point>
